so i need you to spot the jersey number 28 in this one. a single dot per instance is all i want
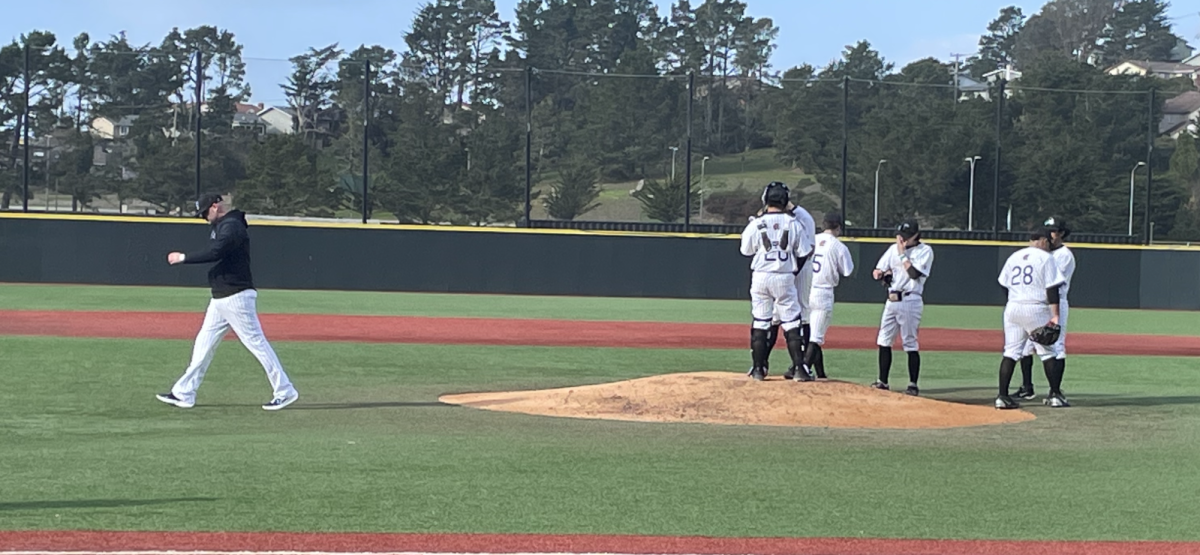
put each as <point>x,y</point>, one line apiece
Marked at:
<point>1022,275</point>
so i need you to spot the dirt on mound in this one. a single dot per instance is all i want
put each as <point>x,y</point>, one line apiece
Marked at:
<point>733,398</point>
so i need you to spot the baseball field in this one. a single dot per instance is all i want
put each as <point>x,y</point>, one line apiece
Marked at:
<point>432,423</point>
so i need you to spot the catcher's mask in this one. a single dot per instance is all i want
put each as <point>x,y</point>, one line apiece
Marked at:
<point>776,194</point>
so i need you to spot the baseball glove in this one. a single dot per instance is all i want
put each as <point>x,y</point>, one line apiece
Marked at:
<point>1046,335</point>
<point>886,279</point>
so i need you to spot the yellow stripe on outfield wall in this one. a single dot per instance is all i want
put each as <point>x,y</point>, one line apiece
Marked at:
<point>538,231</point>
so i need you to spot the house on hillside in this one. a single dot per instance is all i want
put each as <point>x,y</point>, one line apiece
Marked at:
<point>112,128</point>
<point>278,120</point>
<point>1162,70</point>
<point>1180,114</point>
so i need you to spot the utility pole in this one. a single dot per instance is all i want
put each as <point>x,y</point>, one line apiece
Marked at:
<point>957,72</point>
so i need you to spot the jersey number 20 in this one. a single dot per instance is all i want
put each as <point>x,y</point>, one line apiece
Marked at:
<point>772,256</point>
<point>1022,275</point>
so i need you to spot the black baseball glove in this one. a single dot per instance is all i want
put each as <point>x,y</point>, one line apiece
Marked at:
<point>1046,335</point>
<point>886,279</point>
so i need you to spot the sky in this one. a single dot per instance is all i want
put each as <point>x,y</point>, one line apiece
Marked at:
<point>271,31</point>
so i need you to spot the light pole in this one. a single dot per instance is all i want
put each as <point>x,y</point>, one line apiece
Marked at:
<point>1131,172</point>
<point>674,150</point>
<point>971,194</point>
<point>702,161</point>
<point>877,166</point>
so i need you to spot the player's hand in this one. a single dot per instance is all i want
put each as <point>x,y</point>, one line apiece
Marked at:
<point>175,258</point>
<point>1054,320</point>
<point>900,244</point>
<point>878,275</point>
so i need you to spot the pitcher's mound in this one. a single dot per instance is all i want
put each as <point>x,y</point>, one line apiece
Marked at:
<point>733,398</point>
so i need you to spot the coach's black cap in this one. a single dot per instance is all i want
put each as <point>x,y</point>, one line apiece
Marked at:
<point>908,229</point>
<point>205,202</point>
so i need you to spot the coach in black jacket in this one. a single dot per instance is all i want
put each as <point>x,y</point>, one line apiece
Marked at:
<point>233,306</point>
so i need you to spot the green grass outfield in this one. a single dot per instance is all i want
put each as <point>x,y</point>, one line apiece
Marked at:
<point>186,299</point>
<point>84,445</point>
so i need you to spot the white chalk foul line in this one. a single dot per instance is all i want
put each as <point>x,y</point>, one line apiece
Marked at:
<point>242,552</point>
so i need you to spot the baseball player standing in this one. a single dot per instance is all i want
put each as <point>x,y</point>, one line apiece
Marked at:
<point>804,279</point>
<point>1065,260</point>
<point>1032,279</point>
<point>831,261</point>
<point>904,267</point>
<point>233,306</point>
<point>778,245</point>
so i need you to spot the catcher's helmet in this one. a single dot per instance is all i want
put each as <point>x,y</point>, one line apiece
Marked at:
<point>204,203</point>
<point>776,194</point>
<point>1055,223</point>
<point>908,229</point>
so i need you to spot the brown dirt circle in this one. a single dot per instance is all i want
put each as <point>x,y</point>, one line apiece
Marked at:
<point>732,398</point>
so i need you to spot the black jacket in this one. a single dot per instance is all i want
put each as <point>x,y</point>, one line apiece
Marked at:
<point>229,247</point>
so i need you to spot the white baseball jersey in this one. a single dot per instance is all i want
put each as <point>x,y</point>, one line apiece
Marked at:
<point>1027,274</point>
<point>921,257</point>
<point>903,317</point>
<point>830,261</point>
<point>777,242</point>
<point>1065,260</point>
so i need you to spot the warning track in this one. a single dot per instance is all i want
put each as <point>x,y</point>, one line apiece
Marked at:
<point>230,543</point>
<point>551,333</point>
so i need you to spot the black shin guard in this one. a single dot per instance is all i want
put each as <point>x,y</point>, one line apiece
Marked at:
<point>1007,367</point>
<point>914,366</point>
<point>885,363</point>
<point>805,334</point>
<point>772,337</point>
<point>795,346</point>
<point>820,363</point>
<point>1027,373</point>
<point>758,347</point>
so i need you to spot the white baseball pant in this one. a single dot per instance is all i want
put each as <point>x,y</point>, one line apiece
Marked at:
<point>772,294</point>
<point>1060,348</point>
<point>1019,320</point>
<point>903,317</point>
<point>238,312</point>
<point>804,289</point>
<point>821,303</point>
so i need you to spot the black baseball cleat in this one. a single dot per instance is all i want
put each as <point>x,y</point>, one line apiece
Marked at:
<point>1056,400</point>
<point>802,374</point>
<point>912,390</point>
<point>171,399</point>
<point>821,375</point>
<point>1004,402</point>
<point>880,385</point>
<point>759,374</point>
<point>1026,394</point>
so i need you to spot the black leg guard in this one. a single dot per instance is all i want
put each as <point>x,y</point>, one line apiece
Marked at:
<point>1027,373</point>
<point>885,363</point>
<point>914,366</point>
<point>805,335</point>
<point>820,361</point>
<point>772,337</point>
<point>758,347</point>
<point>795,345</point>
<point>1007,366</point>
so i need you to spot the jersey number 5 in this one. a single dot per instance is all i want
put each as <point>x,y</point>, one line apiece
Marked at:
<point>1022,275</point>
<point>816,263</point>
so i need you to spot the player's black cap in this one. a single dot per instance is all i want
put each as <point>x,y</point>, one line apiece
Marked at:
<point>1056,223</point>
<point>908,229</point>
<point>832,220</point>
<point>205,202</point>
<point>1039,232</point>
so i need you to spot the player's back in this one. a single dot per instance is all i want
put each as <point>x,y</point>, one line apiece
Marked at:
<point>774,240</point>
<point>831,260</point>
<point>1027,274</point>
<point>1065,260</point>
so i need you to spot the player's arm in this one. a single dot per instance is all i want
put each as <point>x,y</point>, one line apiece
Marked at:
<point>1053,279</point>
<point>227,235</point>
<point>750,238</point>
<point>917,264</point>
<point>885,262</point>
<point>845,262</point>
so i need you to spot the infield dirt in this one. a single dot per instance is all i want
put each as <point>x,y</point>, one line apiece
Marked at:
<point>733,398</point>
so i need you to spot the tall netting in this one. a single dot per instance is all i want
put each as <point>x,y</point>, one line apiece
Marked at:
<point>1082,153</point>
<point>609,147</point>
